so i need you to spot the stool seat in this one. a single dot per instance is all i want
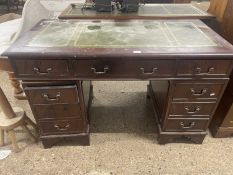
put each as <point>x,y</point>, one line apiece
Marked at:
<point>8,124</point>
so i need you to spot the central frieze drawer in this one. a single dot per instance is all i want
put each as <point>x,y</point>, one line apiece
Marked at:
<point>204,68</point>
<point>124,68</point>
<point>198,90</point>
<point>181,124</point>
<point>62,126</point>
<point>191,109</point>
<point>57,111</point>
<point>40,68</point>
<point>52,94</point>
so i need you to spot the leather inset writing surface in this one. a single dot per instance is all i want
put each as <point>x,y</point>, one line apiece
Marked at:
<point>110,34</point>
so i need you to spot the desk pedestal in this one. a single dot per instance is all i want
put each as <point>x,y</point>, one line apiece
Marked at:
<point>175,136</point>
<point>61,110</point>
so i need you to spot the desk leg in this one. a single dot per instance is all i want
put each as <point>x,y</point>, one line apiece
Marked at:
<point>18,91</point>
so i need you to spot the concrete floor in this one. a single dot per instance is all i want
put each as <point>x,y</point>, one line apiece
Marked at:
<point>123,141</point>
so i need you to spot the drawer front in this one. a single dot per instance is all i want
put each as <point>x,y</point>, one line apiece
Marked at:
<point>204,68</point>
<point>57,111</point>
<point>183,124</point>
<point>41,68</point>
<point>198,91</point>
<point>124,69</point>
<point>52,94</point>
<point>62,126</point>
<point>191,109</point>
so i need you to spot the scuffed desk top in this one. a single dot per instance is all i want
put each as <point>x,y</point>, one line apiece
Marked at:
<point>145,11</point>
<point>91,38</point>
<point>131,34</point>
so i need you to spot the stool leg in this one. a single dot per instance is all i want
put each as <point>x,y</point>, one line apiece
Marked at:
<point>1,137</point>
<point>30,122</point>
<point>18,91</point>
<point>25,128</point>
<point>11,134</point>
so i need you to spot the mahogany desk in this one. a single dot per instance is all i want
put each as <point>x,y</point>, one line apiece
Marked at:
<point>187,64</point>
<point>147,11</point>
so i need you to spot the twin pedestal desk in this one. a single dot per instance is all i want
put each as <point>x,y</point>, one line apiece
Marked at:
<point>186,64</point>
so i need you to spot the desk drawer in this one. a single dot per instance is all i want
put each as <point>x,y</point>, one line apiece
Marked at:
<point>124,68</point>
<point>57,111</point>
<point>183,124</point>
<point>191,109</point>
<point>204,68</point>
<point>50,127</point>
<point>52,94</point>
<point>198,91</point>
<point>41,68</point>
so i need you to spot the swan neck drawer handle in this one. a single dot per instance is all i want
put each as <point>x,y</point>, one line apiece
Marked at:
<point>56,98</point>
<point>37,71</point>
<point>187,126</point>
<point>194,93</point>
<point>106,69</point>
<point>62,128</point>
<point>154,70</point>
<point>196,109</point>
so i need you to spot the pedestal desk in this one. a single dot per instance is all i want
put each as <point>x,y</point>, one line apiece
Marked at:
<point>187,65</point>
<point>147,11</point>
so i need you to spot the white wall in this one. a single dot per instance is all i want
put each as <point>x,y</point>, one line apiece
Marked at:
<point>57,6</point>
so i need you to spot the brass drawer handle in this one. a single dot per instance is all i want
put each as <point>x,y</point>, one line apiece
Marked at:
<point>62,128</point>
<point>197,109</point>
<point>37,70</point>
<point>46,96</point>
<point>188,126</point>
<point>149,73</point>
<point>198,71</point>
<point>106,69</point>
<point>194,93</point>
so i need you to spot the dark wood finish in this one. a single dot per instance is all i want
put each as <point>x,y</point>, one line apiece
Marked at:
<point>103,68</point>
<point>222,50</point>
<point>204,68</point>
<point>52,95</point>
<point>198,91</point>
<point>179,111</point>
<point>57,111</point>
<point>221,123</point>
<point>198,109</point>
<point>183,124</point>
<point>172,136</point>
<point>30,68</point>
<point>180,79</point>
<point>223,10</point>
<point>62,116</point>
<point>68,126</point>
<point>144,9</point>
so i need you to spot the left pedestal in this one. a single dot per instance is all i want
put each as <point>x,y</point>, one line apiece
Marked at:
<point>60,109</point>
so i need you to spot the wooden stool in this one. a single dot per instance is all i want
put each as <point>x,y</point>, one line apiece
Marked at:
<point>18,91</point>
<point>11,118</point>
